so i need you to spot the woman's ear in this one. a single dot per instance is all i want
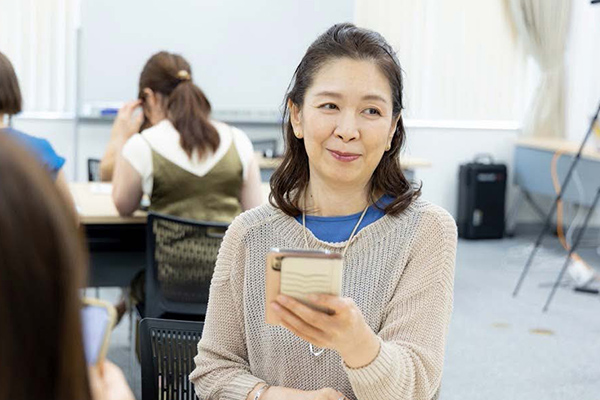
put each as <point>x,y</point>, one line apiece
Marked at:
<point>295,119</point>
<point>149,97</point>
<point>392,132</point>
<point>154,106</point>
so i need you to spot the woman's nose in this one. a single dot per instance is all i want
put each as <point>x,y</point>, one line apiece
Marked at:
<point>347,127</point>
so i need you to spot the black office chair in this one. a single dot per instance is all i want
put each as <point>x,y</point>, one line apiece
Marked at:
<point>181,257</point>
<point>168,348</point>
<point>93,170</point>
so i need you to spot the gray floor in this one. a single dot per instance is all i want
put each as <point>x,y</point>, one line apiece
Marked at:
<point>499,347</point>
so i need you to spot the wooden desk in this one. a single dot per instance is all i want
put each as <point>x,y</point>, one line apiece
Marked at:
<point>95,205</point>
<point>565,146</point>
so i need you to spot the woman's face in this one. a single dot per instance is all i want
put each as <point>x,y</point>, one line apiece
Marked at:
<point>346,122</point>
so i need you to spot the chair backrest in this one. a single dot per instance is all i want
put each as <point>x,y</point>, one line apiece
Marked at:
<point>181,257</point>
<point>93,170</point>
<point>168,348</point>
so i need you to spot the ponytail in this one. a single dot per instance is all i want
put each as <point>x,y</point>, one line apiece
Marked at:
<point>189,109</point>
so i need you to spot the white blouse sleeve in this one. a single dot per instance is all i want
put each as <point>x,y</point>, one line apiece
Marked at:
<point>244,148</point>
<point>137,151</point>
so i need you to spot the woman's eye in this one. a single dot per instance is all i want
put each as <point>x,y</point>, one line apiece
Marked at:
<point>372,111</point>
<point>329,106</point>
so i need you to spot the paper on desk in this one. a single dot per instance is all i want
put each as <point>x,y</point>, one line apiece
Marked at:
<point>101,188</point>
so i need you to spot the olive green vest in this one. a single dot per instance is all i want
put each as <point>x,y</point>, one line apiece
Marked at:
<point>212,197</point>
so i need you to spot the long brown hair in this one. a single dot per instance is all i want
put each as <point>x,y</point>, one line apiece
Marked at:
<point>10,93</point>
<point>291,178</point>
<point>186,105</point>
<point>42,265</point>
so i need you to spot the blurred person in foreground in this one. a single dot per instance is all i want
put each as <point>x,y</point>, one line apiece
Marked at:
<point>42,265</point>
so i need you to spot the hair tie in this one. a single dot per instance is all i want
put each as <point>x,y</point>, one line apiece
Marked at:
<point>183,75</point>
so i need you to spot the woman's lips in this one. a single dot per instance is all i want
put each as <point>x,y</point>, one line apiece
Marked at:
<point>345,157</point>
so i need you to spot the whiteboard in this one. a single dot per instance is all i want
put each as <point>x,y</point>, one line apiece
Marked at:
<point>243,53</point>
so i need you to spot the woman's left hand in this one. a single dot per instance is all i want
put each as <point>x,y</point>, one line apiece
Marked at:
<point>344,331</point>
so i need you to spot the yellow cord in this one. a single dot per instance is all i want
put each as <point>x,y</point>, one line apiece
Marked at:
<point>559,210</point>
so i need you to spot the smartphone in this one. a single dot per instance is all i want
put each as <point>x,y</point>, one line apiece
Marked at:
<point>98,319</point>
<point>300,273</point>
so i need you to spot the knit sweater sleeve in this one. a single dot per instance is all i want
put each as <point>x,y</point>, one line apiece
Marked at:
<point>222,370</point>
<point>410,361</point>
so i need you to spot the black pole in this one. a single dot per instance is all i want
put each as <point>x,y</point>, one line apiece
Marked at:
<point>572,250</point>
<point>550,215</point>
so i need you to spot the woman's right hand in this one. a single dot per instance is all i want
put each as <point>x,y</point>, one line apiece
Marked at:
<point>128,122</point>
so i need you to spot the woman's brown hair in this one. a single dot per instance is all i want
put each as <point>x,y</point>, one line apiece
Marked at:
<point>291,178</point>
<point>10,93</point>
<point>42,265</point>
<point>186,105</point>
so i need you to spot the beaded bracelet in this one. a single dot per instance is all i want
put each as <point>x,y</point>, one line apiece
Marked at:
<point>261,391</point>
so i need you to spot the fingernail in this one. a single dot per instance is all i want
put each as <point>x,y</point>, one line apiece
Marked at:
<point>275,306</point>
<point>282,299</point>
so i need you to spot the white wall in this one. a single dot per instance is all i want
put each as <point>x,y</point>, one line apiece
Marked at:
<point>447,149</point>
<point>583,68</point>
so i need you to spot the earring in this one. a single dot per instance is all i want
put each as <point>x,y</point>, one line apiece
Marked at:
<point>298,135</point>
<point>388,147</point>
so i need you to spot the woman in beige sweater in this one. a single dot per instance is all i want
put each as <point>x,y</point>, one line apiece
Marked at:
<point>340,188</point>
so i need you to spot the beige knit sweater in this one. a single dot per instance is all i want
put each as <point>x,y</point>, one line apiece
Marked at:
<point>399,271</point>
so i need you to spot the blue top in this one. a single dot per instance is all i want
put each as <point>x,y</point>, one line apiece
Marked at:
<point>41,149</point>
<point>338,229</point>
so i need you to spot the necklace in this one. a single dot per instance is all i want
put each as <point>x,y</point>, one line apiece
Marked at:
<point>304,229</point>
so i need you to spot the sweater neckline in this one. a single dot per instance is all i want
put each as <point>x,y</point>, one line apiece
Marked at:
<point>288,225</point>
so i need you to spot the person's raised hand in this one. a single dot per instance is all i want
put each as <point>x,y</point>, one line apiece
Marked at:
<point>128,121</point>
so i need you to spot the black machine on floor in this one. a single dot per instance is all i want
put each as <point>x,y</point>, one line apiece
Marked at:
<point>481,199</point>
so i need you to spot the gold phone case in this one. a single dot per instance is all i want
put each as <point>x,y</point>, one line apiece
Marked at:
<point>299,273</point>
<point>112,318</point>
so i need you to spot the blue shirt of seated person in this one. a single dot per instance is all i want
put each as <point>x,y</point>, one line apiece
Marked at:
<point>41,148</point>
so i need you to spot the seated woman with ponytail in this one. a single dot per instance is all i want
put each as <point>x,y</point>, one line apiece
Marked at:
<point>189,165</point>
